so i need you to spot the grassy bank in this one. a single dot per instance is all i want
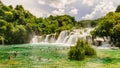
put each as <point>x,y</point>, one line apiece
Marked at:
<point>41,56</point>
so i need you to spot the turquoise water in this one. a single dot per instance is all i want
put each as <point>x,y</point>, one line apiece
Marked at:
<point>28,55</point>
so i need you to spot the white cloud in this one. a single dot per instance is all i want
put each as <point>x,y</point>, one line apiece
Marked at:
<point>59,6</point>
<point>100,10</point>
<point>58,12</point>
<point>31,5</point>
<point>89,2</point>
<point>70,1</point>
<point>88,9</point>
<point>56,3</point>
<point>41,2</point>
<point>73,11</point>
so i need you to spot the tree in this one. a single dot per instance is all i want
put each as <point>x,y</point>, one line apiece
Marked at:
<point>5,8</point>
<point>81,50</point>
<point>19,7</point>
<point>87,23</point>
<point>116,34</point>
<point>9,16</point>
<point>3,24</point>
<point>1,12</point>
<point>19,23</point>
<point>118,8</point>
<point>109,27</point>
<point>2,39</point>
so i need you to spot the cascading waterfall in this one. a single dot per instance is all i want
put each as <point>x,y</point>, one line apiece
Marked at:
<point>65,40</point>
<point>34,40</point>
<point>62,36</point>
<point>52,39</point>
<point>47,38</point>
<point>72,39</point>
<point>65,37</point>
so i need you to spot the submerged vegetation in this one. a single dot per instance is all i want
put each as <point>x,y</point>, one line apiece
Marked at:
<point>44,56</point>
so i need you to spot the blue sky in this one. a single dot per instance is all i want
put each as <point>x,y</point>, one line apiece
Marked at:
<point>80,9</point>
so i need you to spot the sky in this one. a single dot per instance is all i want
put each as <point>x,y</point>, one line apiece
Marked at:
<point>80,9</point>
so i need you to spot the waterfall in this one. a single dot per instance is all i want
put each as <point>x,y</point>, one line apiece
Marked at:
<point>36,39</point>
<point>72,39</point>
<point>47,38</point>
<point>67,37</point>
<point>62,36</point>
<point>39,39</point>
<point>52,39</point>
<point>65,40</point>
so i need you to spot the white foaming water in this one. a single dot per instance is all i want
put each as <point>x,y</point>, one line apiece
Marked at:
<point>52,39</point>
<point>36,39</point>
<point>72,39</point>
<point>62,36</point>
<point>67,38</point>
<point>47,38</point>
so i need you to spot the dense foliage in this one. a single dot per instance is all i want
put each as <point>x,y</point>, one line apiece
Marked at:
<point>109,26</point>
<point>88,23</point>
<point>54,24</point>
<point>118,9</point>
<point>80,50</point>
<point>17,25</point>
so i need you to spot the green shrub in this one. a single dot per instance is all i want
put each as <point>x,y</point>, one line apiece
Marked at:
<point>80,50</point>
<point>89,51</point>
<point>76,53</point>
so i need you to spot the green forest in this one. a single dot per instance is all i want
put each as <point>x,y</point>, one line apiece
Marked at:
<point>17,25</point>
<point>109,26</point>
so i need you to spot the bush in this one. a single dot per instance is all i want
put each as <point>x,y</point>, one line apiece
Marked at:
<point>80,50</point>
<point>89,51</point>
<point>76,53</point>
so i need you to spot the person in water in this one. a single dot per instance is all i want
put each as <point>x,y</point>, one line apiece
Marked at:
<point>9,57</point>
<point>15,54</point>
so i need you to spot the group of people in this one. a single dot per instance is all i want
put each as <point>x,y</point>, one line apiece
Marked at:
<point>15,55</point>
